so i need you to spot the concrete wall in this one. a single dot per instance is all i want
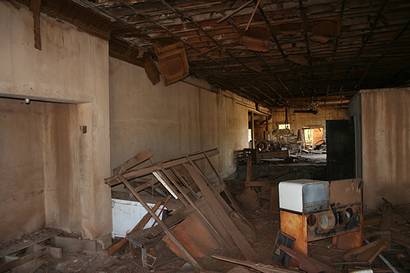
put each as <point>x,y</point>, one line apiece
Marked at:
<point>299,120</point>
<point>171,121</point>
<point>21,171</point>
<point>386,145</point>
<point>71,67</point>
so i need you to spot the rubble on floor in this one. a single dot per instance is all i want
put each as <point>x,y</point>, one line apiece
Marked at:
<point>207,230</point>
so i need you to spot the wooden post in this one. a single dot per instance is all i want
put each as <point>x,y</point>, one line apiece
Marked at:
<point>35,6</point>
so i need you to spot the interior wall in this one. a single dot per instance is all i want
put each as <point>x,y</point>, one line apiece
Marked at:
<point>386,145</point>
<point>71,67</point>
<point>21,168</point>
<point>300,120</point>
<point>171,121</point>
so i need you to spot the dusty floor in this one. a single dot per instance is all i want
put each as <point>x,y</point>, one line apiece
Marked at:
<point>266,229</point>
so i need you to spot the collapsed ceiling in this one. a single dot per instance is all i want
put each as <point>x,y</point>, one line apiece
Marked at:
<point>266,50</point>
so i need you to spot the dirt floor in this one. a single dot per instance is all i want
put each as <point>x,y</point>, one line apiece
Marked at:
<point>266,226</point>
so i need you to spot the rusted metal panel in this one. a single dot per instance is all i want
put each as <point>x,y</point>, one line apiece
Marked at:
<point>386,145</point>
<point>195,236</point>
<point>346,191</point>
<point>295,225</point>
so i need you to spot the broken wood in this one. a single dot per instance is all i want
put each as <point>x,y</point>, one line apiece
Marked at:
<point>112,181</point>
<point>239,239</point>
<point>253,14</point>
<point>400,239</point>
<point>366,253</point>
<point>257,266</point>
<point>161,224</point>
<point>192,204</point>
<point>139,158</point>
<point>306,263</point>
<point>114,248</point>
<point>235,11</point>
<point>4,267</point>
<point>151,69</point>
<point>172,61</point>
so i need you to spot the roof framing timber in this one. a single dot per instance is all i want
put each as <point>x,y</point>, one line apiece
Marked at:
<point>371,35</point>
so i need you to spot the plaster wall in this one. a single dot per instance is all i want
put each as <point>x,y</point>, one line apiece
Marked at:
<point>385,121</point>
<point>71,67</point>
<point>171,121</point>
<point>21,171</point>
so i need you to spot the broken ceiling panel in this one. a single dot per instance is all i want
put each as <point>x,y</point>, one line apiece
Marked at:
<point>314,46</point>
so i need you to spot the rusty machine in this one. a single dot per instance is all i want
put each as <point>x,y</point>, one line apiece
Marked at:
<point>312,210</point>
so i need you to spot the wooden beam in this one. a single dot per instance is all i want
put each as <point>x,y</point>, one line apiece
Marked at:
<point>253,14</point>
<point>235,11</point>
<point>113,180</point>
<point>139,158</point>
<point>35,6</point>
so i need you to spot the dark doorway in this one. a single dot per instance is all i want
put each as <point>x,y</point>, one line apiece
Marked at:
<point>340,144</point>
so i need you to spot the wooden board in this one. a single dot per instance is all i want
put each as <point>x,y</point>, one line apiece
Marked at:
<point>220,212</point>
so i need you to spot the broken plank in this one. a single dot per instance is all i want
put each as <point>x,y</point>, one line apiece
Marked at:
<point>257,266</point>
<point>193,205</point>
<point>400,239</point>
<point>4,267</point>
<point>366,253</point>
<point>307,263</point>
<point>161,224</point>
<point>26,244</point>
<point>134,161</point>
<point>239,239</point>
<point>112,181</point>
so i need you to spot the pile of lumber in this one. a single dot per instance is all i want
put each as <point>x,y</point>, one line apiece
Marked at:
<point>207,222</point>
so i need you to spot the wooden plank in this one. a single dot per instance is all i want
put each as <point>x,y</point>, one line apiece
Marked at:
<point>307,264</point>
<point>400,239</point>
<point>367,253</point>
<point>139,158</point>
<point>4,267</point>
<point>144,186</point>
<point>112,181</point>
<point>160,175</point>
<point>232,200</point>
<point>239,239</point>
<point>218,237</point>
<point>161,224</point>
<point>35,6</point>
<point>25,244</point>
<point>235,11</point>
<point>257,266</point>
<point>252,15</point>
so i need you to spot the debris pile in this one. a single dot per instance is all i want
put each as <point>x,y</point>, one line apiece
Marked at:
<point>199,227</point>
<point>208,220</point>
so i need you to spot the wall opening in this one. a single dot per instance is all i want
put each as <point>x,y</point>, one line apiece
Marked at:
<point>38,148</point>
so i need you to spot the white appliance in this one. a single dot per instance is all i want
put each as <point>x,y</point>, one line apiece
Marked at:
<point>304,195</point>
<point>126,214</point>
